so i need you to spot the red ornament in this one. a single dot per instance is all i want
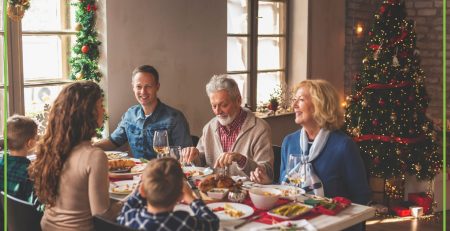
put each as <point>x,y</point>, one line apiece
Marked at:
<point>375,122</point>
<point>376,160</point>
<point>381,102</point>
<point>94,8</point>
<point>85,49</point>
<point>370,33</point>
<point>382,9</point>
<point>88,7</point>
<point>398,103</point>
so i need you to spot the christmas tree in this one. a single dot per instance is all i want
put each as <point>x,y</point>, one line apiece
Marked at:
<point>386,112</point>
<point>84,60</point>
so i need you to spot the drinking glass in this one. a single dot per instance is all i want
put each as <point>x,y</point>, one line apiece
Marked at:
<point>293,170</point>
<point>161,143</point>
<point>175,152</point>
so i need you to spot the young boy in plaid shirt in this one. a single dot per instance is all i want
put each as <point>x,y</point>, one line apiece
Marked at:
<point>150,207</point>
<point>22,134</point>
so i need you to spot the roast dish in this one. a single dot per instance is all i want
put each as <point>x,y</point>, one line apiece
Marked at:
<point>215,181</point>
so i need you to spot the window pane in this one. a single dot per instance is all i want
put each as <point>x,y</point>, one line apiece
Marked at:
<point>54,65</point>
<point>270,53</point>
<point>242,80</point>
<point>37,102</point>
<point>237,16</point>
<point>237,54</point>
<point>48,15</point>
<point>270,18</point>
<point>267,84</point>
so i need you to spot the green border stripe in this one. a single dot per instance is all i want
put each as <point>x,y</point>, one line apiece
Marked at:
<point>5,113</point>
<point>444,113</point>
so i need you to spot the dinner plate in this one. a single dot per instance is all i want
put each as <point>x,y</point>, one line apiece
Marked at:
<point>136,170</point>
<point>112,155</point>
<point>123,187</point>
<point>288,191</point>
<point>245,209</point>
<point>197,172</point>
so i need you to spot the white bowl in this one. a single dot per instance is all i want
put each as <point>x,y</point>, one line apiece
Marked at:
<point>217,193</point>
<point>264,198</point>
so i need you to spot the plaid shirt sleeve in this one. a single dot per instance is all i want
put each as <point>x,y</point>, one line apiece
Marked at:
<point>205,218</point>
<point>131,208</point>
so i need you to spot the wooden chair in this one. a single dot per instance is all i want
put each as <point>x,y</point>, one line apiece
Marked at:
<point>101,224</point>
<point>22,216</point>
<point>276,162</point>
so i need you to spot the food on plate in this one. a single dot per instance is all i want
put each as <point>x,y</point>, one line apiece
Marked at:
<point>120,164</point>
<point>217,193</point>
<point>232,212</point>
<point>291,210</point>
<point>218,209</point>
<point>124,188</point>
<point>115,155</point>
<point>269,194</point>
<point>138,168</point>
<point>214,181</point>
<point>193,172</point>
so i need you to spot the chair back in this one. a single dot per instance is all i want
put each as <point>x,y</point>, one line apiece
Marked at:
<point>22,216</point>
<point>102,224</point>
<point>276,162</point>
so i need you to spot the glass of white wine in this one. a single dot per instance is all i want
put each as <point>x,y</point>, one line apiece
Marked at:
<point>293,170</point>
<point>161,143</point>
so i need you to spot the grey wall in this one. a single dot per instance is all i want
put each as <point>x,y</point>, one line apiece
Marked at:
<point>184,40</point>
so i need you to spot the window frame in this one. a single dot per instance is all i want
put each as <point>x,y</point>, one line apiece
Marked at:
<point>16,81</point>
<point>252,49</point>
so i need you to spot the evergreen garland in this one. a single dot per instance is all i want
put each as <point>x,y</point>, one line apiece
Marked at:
<point>84,60</point>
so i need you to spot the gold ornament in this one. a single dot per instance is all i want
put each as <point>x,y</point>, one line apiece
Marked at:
<point>365,60</point>
<point>78,26</point>
<point>398,151</point>
<point>395,62</point>
<point>79,76</point>
<point>364,103</point>
<point>376,77</point>
<point>356,131</point>
<point>418,167</point>
<point>393,116</point>
<point>425,128</point>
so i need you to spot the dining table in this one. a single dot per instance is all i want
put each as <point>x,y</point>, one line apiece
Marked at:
<point>348,217</point>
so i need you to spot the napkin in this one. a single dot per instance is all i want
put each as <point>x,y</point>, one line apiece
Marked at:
<point>299,224</point>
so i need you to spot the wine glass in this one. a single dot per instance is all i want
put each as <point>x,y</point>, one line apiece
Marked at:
<point>293,170</point>
<point>175,152</point>
<point>161,143</point>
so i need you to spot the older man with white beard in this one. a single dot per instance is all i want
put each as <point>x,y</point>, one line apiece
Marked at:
<point>235,137</point>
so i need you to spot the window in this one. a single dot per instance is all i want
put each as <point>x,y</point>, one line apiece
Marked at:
<point>256,47</point>
<point>39,51</point>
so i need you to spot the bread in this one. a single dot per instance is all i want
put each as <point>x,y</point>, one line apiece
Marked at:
<point>120,164</point>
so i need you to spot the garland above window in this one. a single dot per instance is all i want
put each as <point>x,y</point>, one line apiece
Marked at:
<point>16,9</point>
<point>85,53</point>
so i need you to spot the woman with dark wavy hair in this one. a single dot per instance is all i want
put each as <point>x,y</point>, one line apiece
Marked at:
<point>70,175</point>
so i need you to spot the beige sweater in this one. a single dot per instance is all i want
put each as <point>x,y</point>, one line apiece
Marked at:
<point>253,141</point>
<point>83,191</point>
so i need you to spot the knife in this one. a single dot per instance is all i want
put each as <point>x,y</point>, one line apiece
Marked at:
<point>194,187</point>
<point>246,222</point>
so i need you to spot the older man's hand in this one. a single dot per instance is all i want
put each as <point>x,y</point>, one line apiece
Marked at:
<point>227,159</point>
<point>189,154</point>
<point>259,176</point>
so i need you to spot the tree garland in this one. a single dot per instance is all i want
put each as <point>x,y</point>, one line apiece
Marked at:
<point>84,60</point>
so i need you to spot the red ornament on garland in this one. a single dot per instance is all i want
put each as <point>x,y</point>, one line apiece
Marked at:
<point>375,122</point>
<point>88,7</point>
<point>376,160</point>
<point>381,102</point>
<point>85,49</point>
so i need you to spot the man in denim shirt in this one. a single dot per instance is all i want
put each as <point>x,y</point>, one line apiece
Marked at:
<point>141,121</point>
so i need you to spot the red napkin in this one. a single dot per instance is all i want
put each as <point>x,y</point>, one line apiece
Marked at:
<point>341,204</point>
